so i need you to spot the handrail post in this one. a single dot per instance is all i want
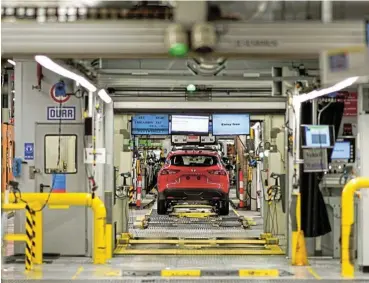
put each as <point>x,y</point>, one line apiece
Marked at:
<point>75,199</point>
<point>347,220</point>
<point>99,247</point>
<point>38,232</point>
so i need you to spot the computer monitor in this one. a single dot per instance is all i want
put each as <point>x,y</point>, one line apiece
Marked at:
<point>189,125</point>
<point>341,150</point>
<point>317,136</point>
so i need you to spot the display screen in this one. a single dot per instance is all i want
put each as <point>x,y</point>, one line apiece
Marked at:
<point>231,124</point>
<point>150,124</point>
<point>317,136</point>
<point>341,150</point>
<point>189,124</point>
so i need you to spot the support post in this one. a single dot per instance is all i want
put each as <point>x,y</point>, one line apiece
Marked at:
<point>109,171</point>
<point>347,221</point>
<point>30,242</point>
<point>299,256</point>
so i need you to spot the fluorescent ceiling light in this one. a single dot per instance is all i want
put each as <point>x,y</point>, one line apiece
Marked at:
<point>104,96</point>
<point>318,93</point>
<point>49,64</point>
<point>11,62</point>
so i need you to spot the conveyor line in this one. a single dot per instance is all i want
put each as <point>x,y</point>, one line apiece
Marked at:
<point>154,234</point>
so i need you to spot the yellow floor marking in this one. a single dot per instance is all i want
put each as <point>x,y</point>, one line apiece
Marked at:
<point>78,272</point>
<point>313,272</point>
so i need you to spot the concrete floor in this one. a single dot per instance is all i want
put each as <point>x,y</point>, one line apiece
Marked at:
<point>146,268</point>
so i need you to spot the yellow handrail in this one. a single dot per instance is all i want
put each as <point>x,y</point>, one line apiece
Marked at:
<point>347,220</point>
<point>77,199</point>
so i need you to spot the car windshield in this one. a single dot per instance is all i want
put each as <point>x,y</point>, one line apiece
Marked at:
<point>193,160</point>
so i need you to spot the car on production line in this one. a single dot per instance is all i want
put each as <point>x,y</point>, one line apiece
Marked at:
<point>193,176</point>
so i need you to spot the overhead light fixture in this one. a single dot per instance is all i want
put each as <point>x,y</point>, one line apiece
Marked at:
<point>104,96</point>
<point>49,64</point>
<point>318,93</point>
<point>11,62</point>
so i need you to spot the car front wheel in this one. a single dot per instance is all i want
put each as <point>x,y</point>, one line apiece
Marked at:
<point>162,207</point>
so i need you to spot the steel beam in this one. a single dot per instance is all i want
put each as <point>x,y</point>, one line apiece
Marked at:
<point>181,81</point>
<point>122,39</point>
<point>269,250</point>
<point>268,104</point>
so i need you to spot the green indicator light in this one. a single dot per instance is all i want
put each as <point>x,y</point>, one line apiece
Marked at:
<point>191,88</point>
<point>178,50</point>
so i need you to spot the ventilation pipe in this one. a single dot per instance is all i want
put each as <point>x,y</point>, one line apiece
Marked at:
<point>203,37</point>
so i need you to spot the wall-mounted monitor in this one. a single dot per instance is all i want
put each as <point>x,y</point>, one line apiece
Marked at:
<point>231,124</point>
<point>317,136</point>
<point>150,124</point>
<point>344,150</point>
<point>187,125</point>
<point>341,150</point>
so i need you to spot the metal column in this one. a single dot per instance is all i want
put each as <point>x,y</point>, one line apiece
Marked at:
<point>109,169</point>
<point>363,151</point>
<point>314,116</point>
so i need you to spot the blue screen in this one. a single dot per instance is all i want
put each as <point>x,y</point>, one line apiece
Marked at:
<point>341,150</point>
<point>231,124</point>
<point>367,32</point>
<point>150,124</point>
<point>317,136</point>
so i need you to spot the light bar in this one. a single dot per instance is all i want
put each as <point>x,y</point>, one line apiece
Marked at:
<point>104,96</point>
<point>11,62</point>
<point>49,64</point>
<point>318,93</point>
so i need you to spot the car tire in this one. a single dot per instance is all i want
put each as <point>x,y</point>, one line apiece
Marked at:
<point>162,207</point>
<point>224,209</point>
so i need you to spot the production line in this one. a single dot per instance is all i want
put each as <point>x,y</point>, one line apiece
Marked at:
<point>208,167</point>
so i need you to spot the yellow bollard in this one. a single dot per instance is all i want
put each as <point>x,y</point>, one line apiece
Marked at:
<point>109,243</point>
<point>30,243</point>
<point>299,254</point>
<point>347,220</point>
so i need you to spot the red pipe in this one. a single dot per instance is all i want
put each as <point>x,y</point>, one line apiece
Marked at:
<point>40,75</point>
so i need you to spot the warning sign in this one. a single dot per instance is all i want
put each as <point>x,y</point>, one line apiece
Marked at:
<point>58,93</point>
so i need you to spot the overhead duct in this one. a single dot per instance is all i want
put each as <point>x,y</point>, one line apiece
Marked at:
<point>203,38</point>
<point>176,40</point>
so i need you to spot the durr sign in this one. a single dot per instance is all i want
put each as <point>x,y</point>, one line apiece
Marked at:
<point>257,43</point>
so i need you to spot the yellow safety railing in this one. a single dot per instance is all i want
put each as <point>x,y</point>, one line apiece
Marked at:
<point>31,237</point>
<point>101,243</point>
<point>347,220</point>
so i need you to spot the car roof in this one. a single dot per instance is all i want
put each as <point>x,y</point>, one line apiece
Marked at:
<point>194,152</point>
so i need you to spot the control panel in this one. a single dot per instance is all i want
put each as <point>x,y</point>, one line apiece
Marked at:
<point>343,156</point>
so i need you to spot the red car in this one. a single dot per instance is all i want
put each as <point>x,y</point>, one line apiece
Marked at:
<point>193,175</point>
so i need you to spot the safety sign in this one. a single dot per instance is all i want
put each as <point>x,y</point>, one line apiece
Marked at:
<point>29,151</point>
<point>58,93</point>
<point>59,183</point>
<point>63,113</point>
